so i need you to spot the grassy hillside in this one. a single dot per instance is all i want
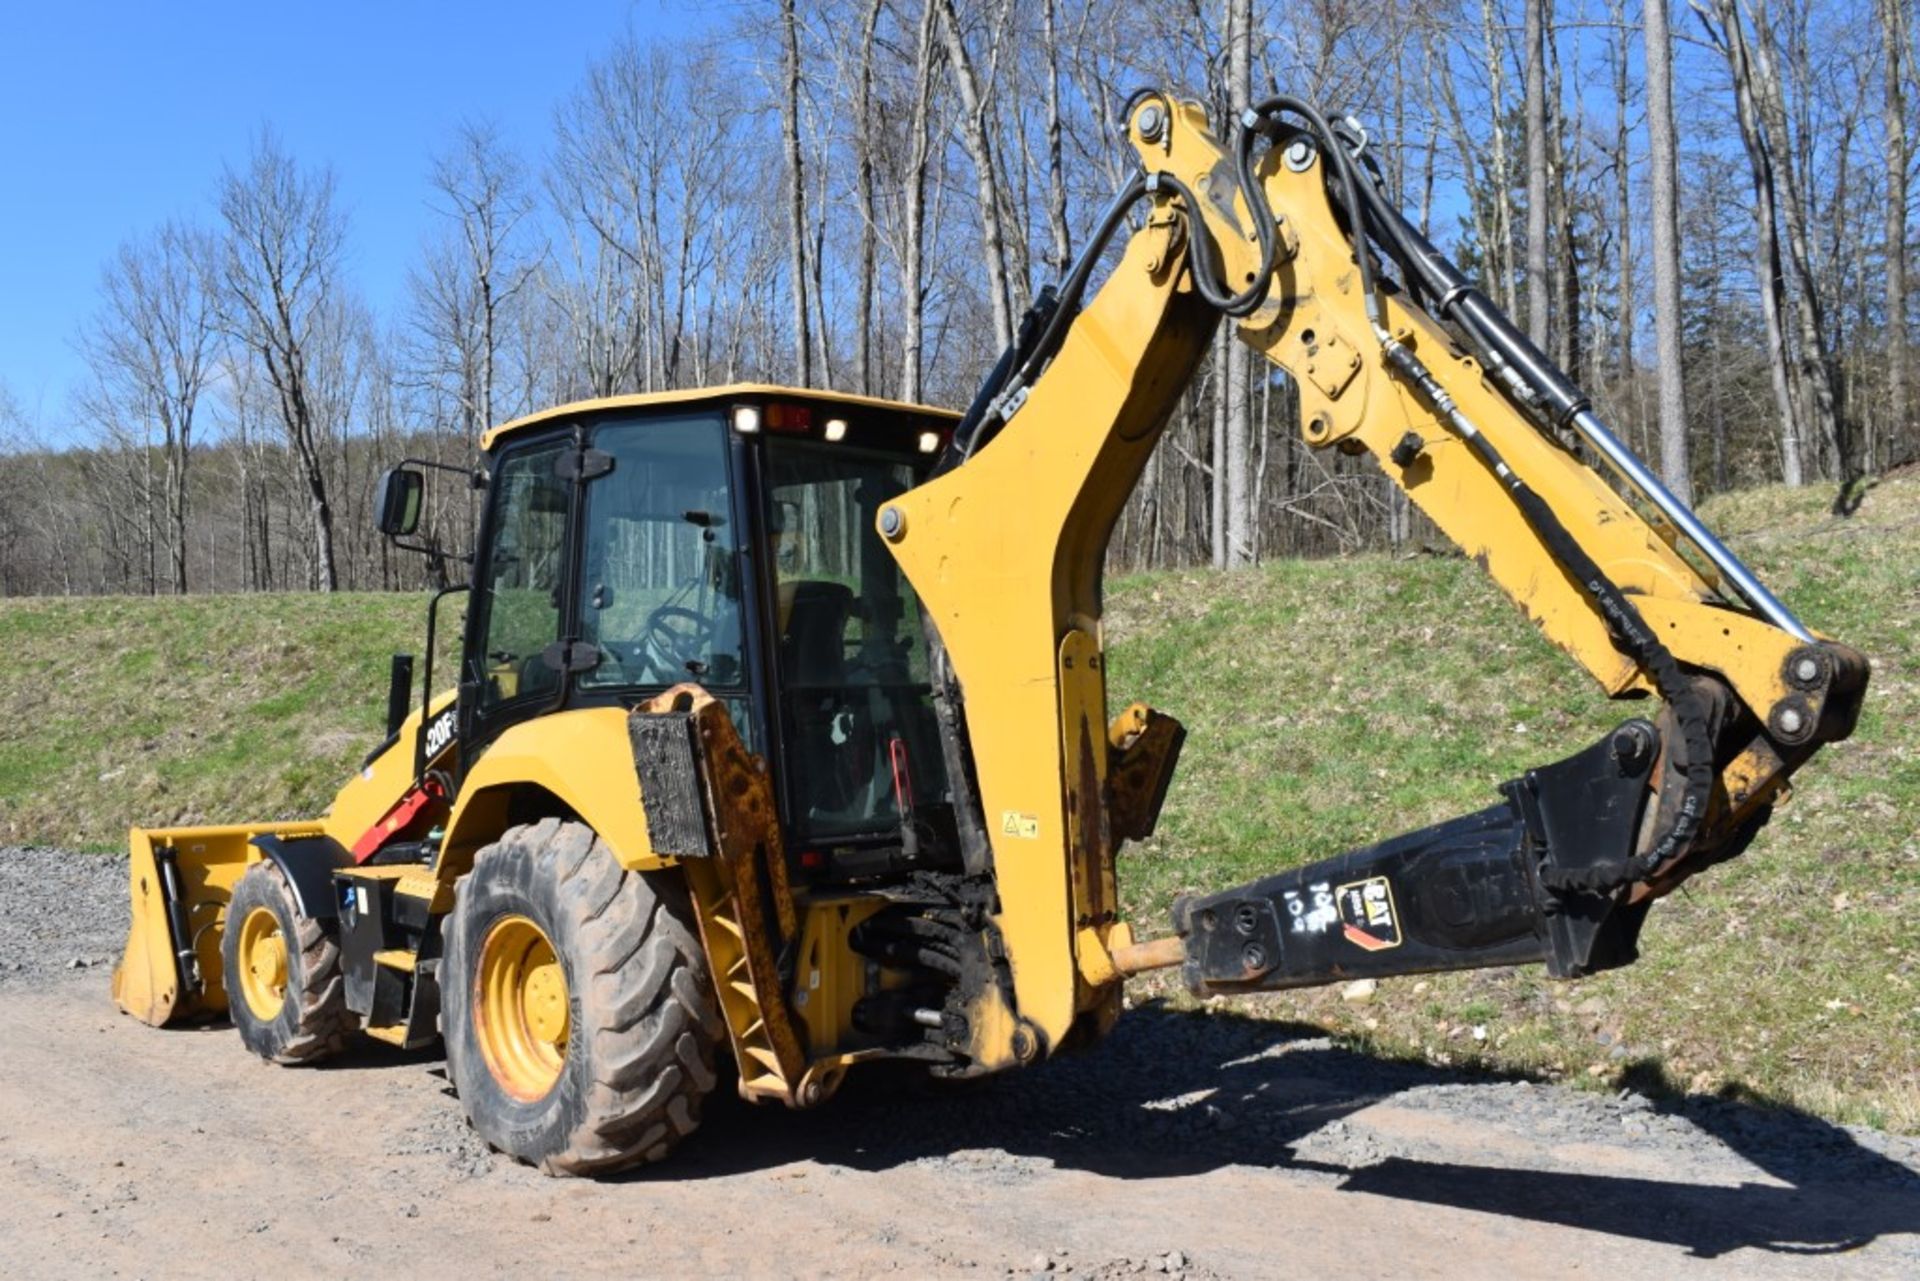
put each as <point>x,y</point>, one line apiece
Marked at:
<point>1330,704</point>
<point>203,709</point>
<point>1334,703</point>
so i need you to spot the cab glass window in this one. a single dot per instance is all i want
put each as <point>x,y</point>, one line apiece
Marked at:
<point>525,575</point>
<point>660,581</point>
<point>862,745</point>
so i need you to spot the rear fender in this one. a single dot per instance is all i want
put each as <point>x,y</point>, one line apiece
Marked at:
<point>582,760</point>
<point>181,880</point>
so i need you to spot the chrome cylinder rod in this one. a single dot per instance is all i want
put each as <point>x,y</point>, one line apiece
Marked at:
<point>1732,572</point>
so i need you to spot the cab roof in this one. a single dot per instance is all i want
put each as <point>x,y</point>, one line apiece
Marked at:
<point>911,417</point>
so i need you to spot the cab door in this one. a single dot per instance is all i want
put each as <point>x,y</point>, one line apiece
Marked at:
<point>522,579</point>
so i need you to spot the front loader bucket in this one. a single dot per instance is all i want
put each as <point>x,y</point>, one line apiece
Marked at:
<point>181,880</point>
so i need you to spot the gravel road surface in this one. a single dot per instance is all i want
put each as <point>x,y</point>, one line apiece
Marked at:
<point>1192,1146</point>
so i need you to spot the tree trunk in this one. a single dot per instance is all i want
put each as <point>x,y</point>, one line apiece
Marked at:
<point>1500,180</point>
<point>869,215</point>
<point>1217,454</point>
<point>1675,468</point>
<point>796,199</point>
<point>912,269</point>
<point>1623,191</point>
<point>1726,30</point>
<point>975,134</point>
<point>1239,409</point>
<point>177,511</point>
<point>1819,372</point>
<point>1893,47</point>
<point>1062,237</point>
<point>1539,285</point>
<point>1566,320</point>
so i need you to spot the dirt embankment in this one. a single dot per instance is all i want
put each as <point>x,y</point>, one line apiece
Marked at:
<point>1203,1147</point>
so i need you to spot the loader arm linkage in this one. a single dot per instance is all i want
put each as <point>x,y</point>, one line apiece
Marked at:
<point>1285,233</point>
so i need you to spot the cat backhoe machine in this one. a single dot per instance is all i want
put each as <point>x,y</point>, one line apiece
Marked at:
<point>780,740</point>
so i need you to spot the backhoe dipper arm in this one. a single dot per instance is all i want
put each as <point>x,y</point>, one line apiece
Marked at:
<point>1005,547</point>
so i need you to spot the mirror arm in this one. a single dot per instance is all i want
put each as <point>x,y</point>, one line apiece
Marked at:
<point>476,476</point>
<point>430,551</point>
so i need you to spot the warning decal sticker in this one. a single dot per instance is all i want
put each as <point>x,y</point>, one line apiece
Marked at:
<point>1367,915</point>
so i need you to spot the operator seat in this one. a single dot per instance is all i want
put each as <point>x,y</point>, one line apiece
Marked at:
<point>813,630</point>
<point>813,671</point>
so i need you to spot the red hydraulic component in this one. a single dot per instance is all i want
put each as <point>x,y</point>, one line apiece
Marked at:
<point>422,794</point>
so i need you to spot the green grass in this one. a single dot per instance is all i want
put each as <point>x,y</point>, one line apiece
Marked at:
<point>1329,704</point>
<point>196,710</point>
<point>1334,703</point>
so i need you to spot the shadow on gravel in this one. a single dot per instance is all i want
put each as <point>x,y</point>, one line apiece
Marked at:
<point>1837,1196</point>
<point>1171,1094</point>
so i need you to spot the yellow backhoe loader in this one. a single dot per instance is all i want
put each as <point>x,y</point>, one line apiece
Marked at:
<point>781,730</point>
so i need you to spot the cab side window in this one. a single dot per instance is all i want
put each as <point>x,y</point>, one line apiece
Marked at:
<point>525,576</point>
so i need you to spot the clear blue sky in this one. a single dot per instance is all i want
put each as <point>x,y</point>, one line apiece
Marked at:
<point>115,117</point>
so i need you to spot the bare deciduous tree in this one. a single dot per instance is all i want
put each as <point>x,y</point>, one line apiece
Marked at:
<point>1539,282</point>
<point>278,280</point>
<point>796,193</point>
<point>1727,31</point>
<point>1675,467</point>
<point>913,234</point>
<point>976,131</point>
<point>1893,80</point>
<point>151,346</point>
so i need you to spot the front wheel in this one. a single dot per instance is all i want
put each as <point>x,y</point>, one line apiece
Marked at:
<point>285,992</point>
<point>579,1017</point>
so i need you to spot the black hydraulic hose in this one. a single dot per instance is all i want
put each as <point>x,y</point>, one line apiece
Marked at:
<point>898,951</point>
<point>1074,287</point>
<point>1021,363</point>
<point>1347,192</point>
<point>1637,641</point>
<point>1629,632</point>
<point>1456,298</point>
<point>1050,315</point>
<point>1209,278</point>
<point>914,927</point>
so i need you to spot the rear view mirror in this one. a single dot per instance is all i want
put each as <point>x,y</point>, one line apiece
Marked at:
<point>396,505</point>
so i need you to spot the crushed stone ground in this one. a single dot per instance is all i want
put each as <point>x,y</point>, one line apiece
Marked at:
<point>1185,1145</point>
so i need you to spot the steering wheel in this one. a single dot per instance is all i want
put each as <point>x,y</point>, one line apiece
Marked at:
<point>675,636</point>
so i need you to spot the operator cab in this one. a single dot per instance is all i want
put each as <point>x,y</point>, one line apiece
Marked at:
<point>724,537</point>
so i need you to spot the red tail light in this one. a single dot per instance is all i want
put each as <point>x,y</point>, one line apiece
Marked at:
<point>792,419</point>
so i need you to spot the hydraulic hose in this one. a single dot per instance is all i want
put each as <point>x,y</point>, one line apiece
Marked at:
<point>1629,632</point>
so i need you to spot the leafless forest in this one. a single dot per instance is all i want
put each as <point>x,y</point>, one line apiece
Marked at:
<point>1700,208</point>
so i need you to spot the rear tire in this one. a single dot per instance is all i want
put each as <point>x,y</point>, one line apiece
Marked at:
<point>615,1075</point>
<point>285,992</point>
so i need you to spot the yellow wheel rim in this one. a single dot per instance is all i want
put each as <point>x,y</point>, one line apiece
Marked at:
<point>520,1010</point>
<point>263,964</point>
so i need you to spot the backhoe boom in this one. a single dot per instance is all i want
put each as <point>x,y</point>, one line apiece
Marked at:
<point>1287,236</point>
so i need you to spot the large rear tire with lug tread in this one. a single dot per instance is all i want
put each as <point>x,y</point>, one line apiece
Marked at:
<point>285,992</point>
<point>579,1017</point>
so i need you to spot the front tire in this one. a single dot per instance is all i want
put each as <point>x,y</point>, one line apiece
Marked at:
<point>579,1017</point>
<point>285,992</point>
